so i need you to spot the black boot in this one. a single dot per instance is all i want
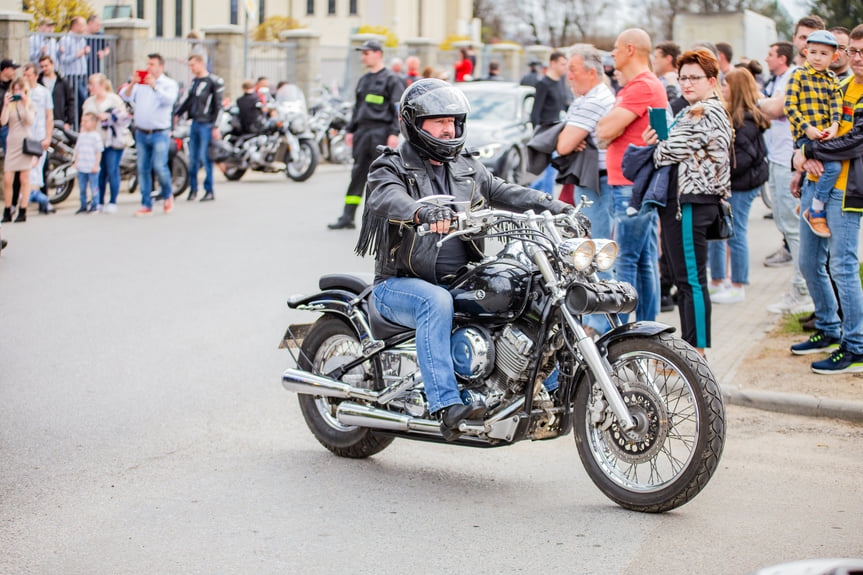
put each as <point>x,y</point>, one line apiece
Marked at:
<point>192,195</point>
<point>22,215</point>
<point>453,415</point>
<point>7,215</point>
<point>346,220</point>
<point>208,197</point>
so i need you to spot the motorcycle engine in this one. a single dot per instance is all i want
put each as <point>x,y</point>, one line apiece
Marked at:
<point>499,362</point>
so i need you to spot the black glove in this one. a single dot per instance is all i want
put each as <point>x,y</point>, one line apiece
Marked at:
<point>432,214</point>
<point>582,220</point>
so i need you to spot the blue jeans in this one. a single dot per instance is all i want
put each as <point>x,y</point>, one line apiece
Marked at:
<point>109,174</point>
<point>40,198</point>
<point>827,179</point>
<point>739,242</point>
<point>199,147</point>
<point>152,154</point>
<point>601,215</point>
<point>428,308</point>
<point>91,179</point>
<point>638,256</point>
<point>545,182</point>
<point>844,269</point>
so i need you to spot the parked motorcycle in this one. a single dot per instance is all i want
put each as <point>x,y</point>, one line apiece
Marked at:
<point>647,413</point>
<point>60,164</point>
<point>330,118</point>
<point>283,141</point>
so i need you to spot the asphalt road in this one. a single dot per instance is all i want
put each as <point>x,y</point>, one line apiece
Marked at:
<point>143,427</point>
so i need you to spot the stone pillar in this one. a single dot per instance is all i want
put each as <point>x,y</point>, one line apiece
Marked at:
<point>538,52</point>
<point>308,58</point>
<point>426,50</point>
<point>355,63</point>
<point>510,60</point>
<point>130,53</point>
<point>14,30</point>
<point>228,57</point>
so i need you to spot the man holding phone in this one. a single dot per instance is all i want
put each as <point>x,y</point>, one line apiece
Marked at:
<point>636,236</point>
<point>153,96</point>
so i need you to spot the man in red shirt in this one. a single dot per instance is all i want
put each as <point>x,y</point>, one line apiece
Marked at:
<point>636,236</point>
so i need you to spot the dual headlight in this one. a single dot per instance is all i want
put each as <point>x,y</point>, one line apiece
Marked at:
<point>580,253</point>
<point>489,151</point>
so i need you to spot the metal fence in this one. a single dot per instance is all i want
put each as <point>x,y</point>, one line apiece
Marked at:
<point>76,57</point>
<point>176,52</point>
<point>276,61</point>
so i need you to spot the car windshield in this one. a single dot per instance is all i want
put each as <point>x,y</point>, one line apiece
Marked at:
<point>489,106</point>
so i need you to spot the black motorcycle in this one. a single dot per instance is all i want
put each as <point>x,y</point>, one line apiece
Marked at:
<point>647,413</point>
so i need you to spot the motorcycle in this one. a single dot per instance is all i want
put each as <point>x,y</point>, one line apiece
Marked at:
<point>282,142</point>
<point>646,411</point>
<point>330,118</point>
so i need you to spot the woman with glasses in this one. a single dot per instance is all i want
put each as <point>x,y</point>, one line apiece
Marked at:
<point>749,171</point>
<point>699,144</point>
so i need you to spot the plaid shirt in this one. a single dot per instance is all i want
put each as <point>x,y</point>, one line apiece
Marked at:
<point>812,98</point>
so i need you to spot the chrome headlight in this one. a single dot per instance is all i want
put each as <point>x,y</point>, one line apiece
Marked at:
<point>578,252</point>
<point>606,253</point>
<point>489,151</point>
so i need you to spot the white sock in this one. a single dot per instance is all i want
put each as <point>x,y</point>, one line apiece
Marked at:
<point>817,205</point>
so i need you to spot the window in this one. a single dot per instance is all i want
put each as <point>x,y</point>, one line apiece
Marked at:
<point>235,9</point>
<point>262,11</point>
<point>331,7</point>
<point>310,7</point>
<point>160,18</point>
<point>352,7</point>
<point>139,13</point>
<point>178,19</point>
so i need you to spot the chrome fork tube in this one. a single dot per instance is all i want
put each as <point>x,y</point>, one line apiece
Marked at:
<point>600,368</point>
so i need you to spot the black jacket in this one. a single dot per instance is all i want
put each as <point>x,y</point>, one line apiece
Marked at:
<point>377,101</point>
<point>203,100</point>
<point>64,99</point>
<point>749,168</point>
<point>250,113</point>
<point>398,178</point>
<point>847,147</point>
<point>550,99</point>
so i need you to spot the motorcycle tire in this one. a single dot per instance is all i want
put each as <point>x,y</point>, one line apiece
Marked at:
<point>233,174</point>
<point>179,179</point>
<point>58,194</point>
<point>329,344</point>
<point>678,407</point>
<point>767,195</point>
<point>303,166</point>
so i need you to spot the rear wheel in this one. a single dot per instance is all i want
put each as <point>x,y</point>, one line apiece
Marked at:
<point>676,445</point>
<point>233,174</point>
<point>329,344</point>
<point>57,173</point>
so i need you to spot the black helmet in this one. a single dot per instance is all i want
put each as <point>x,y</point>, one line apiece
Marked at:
<point>432,98</point>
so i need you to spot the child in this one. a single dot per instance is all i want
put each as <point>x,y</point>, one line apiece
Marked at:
<point>813,105</point>
<point>88,154</point>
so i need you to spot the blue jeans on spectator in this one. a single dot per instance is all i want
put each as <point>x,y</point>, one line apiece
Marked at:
<point>601,215</point>
<point>40,198</point>
<point>428,308</point>
<point>638,256</point>
<point>199,149</point>
<point>738,243</point>
<point>545,182</point>
<point>152,150</point>
<point>109,174</point>
<point>90,179</point>
<point>844,269</point>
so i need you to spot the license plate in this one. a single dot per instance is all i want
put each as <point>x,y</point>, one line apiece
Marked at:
<point>294,335</point>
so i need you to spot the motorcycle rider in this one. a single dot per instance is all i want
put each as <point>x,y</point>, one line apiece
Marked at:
<point>411,272</point>
<point>250,110</point>
<point>202,105</point>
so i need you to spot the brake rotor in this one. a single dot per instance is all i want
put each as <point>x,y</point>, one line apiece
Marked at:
<point>644,442</point>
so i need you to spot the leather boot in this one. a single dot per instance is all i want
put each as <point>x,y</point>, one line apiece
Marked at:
<point>208,197</point>
<point>192,195</point>
<point>7,215</point>
<point>453,415</point>
<point>22,215</point>
<point>346,220</point>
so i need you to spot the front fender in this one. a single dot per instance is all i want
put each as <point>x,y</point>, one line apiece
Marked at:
<point>343,303</point>
<point>636,329</point>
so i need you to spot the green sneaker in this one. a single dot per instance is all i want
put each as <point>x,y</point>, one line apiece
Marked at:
<point>841,361</point>
<point>818,342</point>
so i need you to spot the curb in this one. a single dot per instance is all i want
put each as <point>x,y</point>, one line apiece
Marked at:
<point>795,404</point>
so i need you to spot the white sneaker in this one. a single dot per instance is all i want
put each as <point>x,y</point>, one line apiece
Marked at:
<point>729,295</point>
<point>793,302</point>
<point>110,209</point>
<point>713,288</point>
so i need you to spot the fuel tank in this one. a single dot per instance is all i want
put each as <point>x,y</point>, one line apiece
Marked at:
<point>497,289</point>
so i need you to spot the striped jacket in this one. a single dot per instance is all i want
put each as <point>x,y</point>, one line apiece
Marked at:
<point>699,142</point>
<point>812,98</point>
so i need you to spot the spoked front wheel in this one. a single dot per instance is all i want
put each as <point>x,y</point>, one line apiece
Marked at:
<point>680,425</point>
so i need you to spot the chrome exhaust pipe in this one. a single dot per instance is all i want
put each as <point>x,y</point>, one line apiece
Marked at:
<point>308,383</point>
<point>349,413</point>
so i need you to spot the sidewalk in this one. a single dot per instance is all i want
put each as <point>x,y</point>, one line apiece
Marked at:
<point>739,334</point>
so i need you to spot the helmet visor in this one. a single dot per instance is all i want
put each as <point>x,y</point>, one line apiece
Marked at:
<point>447,101</point>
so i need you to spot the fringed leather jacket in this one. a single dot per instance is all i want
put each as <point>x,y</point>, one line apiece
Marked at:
<point>398,178</point>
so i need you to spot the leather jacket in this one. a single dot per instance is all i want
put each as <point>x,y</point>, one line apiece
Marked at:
<point>204,99</point>
<point>398,178</point>
<point>845,148</point>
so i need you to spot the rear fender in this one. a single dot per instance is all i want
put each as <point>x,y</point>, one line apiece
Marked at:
<point>342,303</point>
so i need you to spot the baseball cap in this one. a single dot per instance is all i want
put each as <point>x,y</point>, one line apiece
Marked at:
<point>7,63</point>
<point>371,45</point>
<point>822,37</point>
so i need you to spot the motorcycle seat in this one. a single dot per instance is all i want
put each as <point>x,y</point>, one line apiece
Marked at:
<point>381,327</point>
